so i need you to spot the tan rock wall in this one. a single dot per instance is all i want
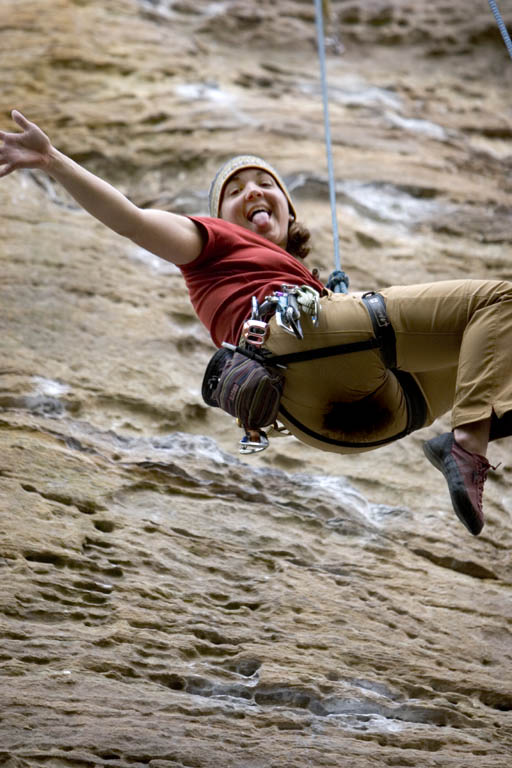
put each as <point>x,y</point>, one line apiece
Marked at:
<point>162,602</point>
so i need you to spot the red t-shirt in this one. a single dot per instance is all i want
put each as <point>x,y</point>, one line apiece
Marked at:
<point>235,265</point>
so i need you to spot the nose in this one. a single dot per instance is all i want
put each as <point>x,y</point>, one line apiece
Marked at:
<point>252,190</point>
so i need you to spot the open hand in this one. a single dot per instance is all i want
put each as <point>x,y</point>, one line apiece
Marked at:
<point>29,149</point>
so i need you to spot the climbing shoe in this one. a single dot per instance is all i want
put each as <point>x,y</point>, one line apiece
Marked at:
<point>465,474</point>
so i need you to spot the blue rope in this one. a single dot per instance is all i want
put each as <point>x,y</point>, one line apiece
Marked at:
<point>338,280</point>
<point>342,285</point>
<point>502,27</point>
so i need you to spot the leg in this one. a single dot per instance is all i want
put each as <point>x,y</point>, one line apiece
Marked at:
<point>470,322</point>
<point>463,323</point>
<point>474,437</point>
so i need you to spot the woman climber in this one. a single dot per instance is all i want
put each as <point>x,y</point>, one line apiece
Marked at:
<point>451,342</point>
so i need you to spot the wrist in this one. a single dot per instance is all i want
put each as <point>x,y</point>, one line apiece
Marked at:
<point>53,162</point>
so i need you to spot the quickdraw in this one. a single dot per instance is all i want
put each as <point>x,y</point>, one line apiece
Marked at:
<point>287,305</point>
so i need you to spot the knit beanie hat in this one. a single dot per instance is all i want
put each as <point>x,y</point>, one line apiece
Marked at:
<point>238,163</point>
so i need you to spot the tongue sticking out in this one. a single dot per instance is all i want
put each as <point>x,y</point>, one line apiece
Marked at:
<point>261,219</point>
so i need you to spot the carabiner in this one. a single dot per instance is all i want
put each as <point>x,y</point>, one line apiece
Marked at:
<point>248,445</point>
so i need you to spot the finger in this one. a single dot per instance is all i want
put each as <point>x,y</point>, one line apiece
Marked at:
<point>20,119</point>
<point>8,137</point>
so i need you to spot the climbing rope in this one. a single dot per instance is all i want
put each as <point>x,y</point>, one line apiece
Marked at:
<point>338,281</point>
<point>502,27</point>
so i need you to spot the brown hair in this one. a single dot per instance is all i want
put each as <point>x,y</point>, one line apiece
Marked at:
<point>298,238</point>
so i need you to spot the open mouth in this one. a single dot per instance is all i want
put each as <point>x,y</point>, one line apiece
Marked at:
<point>259,215</point>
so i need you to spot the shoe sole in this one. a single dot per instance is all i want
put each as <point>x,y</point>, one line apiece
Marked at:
<point>460,503</point>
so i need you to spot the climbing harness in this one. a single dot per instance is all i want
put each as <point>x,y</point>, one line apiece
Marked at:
<point>247,381</point>
<point>382,327</point>
<point>501,26</point>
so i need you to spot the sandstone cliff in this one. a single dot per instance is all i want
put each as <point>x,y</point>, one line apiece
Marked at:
<point>164,603</point>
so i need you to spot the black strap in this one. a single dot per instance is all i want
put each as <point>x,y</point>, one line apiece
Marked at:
<point>416,417</point>
<point>382,327</point>
<point>384,339</point>
<point>313,354</point>
<point>414,398</point>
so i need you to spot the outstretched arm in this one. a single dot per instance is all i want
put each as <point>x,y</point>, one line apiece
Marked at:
<point>168,235</point>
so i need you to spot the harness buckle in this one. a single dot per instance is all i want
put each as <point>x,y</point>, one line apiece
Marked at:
<point>376,303</point>
<point>255,332</point>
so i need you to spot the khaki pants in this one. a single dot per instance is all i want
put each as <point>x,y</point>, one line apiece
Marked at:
<point>454,337</point>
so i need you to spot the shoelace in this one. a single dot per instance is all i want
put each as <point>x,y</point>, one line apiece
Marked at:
<point>480,473</point>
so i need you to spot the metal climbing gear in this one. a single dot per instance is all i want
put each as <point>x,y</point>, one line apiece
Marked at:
<point>286,307</point>
<point>248,445</point>
<point>308,300</point>
<point>255,331</point>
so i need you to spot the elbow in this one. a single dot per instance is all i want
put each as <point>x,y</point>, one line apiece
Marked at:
<point>132,228</point>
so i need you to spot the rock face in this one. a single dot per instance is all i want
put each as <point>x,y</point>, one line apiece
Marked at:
<point>164,603</point>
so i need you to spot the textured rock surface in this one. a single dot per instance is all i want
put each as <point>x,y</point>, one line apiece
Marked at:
<point>163,603</point>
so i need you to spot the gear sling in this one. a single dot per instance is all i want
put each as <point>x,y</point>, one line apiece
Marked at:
<point>247,383</point>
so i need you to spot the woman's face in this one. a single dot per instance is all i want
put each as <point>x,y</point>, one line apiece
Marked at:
<point>253,199</point>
